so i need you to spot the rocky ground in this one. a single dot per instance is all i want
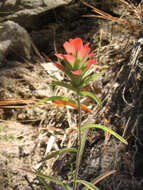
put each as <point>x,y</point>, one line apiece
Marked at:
<point>26,129</point>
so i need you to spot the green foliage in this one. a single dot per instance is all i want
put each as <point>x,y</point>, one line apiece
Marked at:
<point>91,95</point>
<point>63,84</point>
<point>87,184</point>
<point>89,78</point>
<point>82,145</point>
<point>105,129</point>
<point>75,64</point>
<point>46,185</point>
<point>49,178</point>
<point>61,151</point>
<point>57,98</point>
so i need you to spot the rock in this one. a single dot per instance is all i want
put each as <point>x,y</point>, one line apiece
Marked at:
<point>25,11</point>
<point>14,40</point>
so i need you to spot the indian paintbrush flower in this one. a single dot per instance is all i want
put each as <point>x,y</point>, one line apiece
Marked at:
<point>75,64</point>
<point>77,60</point>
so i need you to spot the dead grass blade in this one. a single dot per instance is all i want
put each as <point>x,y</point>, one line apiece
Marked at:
<point>136,11</point>
<point>125,3</point>
<point>103,14</point>
<point>18,103</point>
<point>7,102</point>
<point>102,176</point>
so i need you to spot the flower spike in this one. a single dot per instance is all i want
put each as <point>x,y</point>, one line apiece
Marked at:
<point>77,60</point>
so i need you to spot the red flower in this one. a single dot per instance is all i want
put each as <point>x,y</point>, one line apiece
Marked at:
<point>91,55</point>
<point>83,52</point>
<point>77,56</point>
<point>58,66</point>
<point>69,58</point>
<point>73,46</point>
<point>59,55</point>
<point>89,63</point>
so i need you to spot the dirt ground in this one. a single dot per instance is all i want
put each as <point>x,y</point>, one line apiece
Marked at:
<point>25,129</point>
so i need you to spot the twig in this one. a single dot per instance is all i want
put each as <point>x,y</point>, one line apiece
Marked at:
<point>29,183</point>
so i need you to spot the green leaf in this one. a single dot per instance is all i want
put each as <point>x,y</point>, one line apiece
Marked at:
<point>89,78</point>
<point>49,178</point>
<point>68,187</point>
<point>87,184</point>
<point>83,141</point>
<point>57,98</point>
<point>46,185</point>
<point>63,84</point>
<point>105,129</point>
<point>91,95</point>
<point>78,64</point>
<point>61,151</point>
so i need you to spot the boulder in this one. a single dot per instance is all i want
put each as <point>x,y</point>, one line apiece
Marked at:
<point>25,12</point>
<point>14,41</point>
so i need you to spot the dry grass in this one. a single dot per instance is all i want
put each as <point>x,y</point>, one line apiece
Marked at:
<point>133,14</point>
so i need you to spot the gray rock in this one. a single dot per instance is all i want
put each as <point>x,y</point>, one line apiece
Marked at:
<point>14,39</point>
<point>24,11</point>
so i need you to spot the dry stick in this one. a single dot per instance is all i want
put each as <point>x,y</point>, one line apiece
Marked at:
<point>29,183</point>
<point>37,52</point>
<point>17,101</point>
<point>102,176</point>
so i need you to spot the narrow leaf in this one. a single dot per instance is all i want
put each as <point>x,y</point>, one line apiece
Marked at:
<point>90,78</point>
<point>57,98</point>
<point>49,178</point>
<point>83,141</point>
<point>61,151</point>
<point>87,184</point>
<point>63,84</point>
<point>83,107</point>
<point>91,95</point>
<point>46,185</point>
<point>105,129</point>
<point>63,101</point>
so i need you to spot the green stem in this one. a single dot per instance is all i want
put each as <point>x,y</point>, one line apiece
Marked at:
<point>78,159</point>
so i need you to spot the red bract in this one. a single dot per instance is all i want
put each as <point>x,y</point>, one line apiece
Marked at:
<point>77,72</point>
<point>73,46</point>
<point>58,66</point>
<point>83,52</point>
<point>91,55</point>
<point>89,63</point>
<point>69,58</point>
<point>78,56</point>
<point>59,55</point>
